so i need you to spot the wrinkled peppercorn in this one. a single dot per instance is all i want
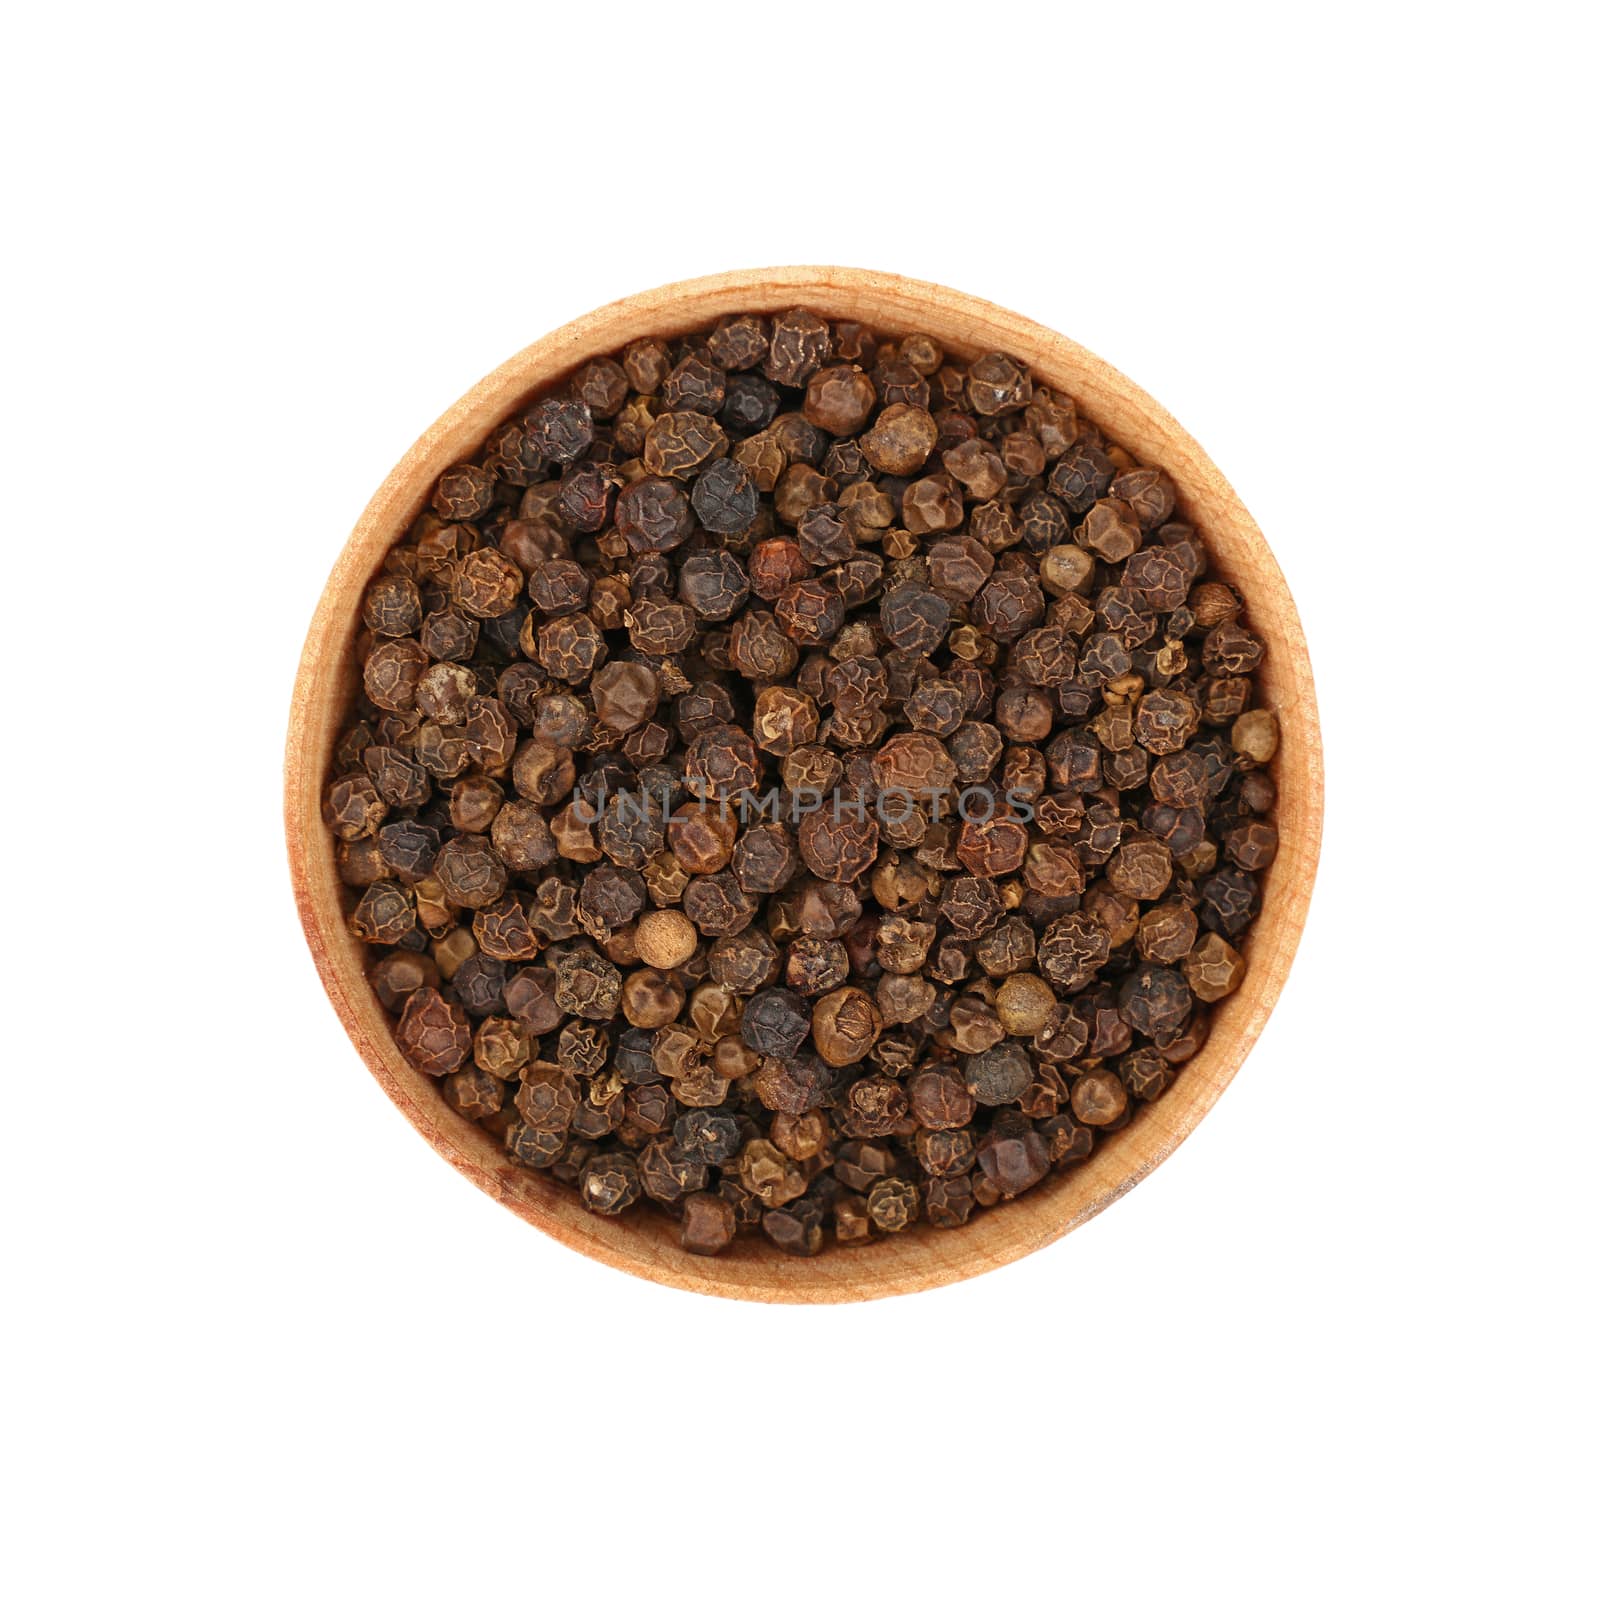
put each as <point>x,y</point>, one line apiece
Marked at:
<point>775,1023</point>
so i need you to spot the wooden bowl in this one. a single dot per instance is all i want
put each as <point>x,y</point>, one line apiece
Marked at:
<point>644,1242</point>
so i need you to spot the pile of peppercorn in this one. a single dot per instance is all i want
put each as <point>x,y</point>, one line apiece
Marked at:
<point>804,782</point>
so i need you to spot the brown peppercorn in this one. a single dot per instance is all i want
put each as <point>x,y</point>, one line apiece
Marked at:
<point>1228,901</point>
<point>717,906</point>
<point>1255,736</point>
<point>801,1138</point>
<point>839,842</point>
<point>610,896</point>
<point>559,588</point>
<point>589,986</point>
<point>1221,700</point>
<point>352,807</point>
<point>904,997</point>
<point>1214,969</point>
<point>469,871</point>
<point>708,1224</point>
<point>609,1184</point>
<point>958,567</point>
<point>769,1174</point>
<point>1253,845</point>
<point>401,784</point>
<point>998,1075</point>
<point>1141,868</point>
<point>799,343</point>
<point>1167,932</point>
<point>1156,1001</point>
<point>759,649</point>
<point>445,691</point>
<point>398,976</point>
<point>1230,651</point>
<point>602,386</point>
<point>892,1204</point>
<point>433,1033</point>
<point>1081,475</point>
<point>464,492</point>
<point>996,385</point>
<point>678,444</point>
<point>701,835</point>
<point>560,428</point>
<point>992,849</point>
<point>1065,1140</point>
<point>472,1093</point>
<point>645,364</point>
<point>765,858</point>
<point>784,720</point>
<point>536,1147</point>
<point>1099,1098</point>
<point>948,1202</point>
<point>547,1098</point>
<point>845,1025</point>
<point>653,514</point>
<point>812,966</point>
<point>530,997</point>
<point>1064,1036</point>
<point>903,945</point>
<point>932,505</point>
<point>521,836</point>
<point>1148,493</point>
<point>1024,1004</point>
<point>659,627</point>
<point>1053,869</point>
<point>386,913</point>
<point>744,962</point>
<point>569,648</point>
<point>489,735</point>
<point>1072,949</point>
<point>940,1099</point>
<point>739,342</point>
<point>487,583</point>
<point>977,467</point>
<point>392,606</point>
<point>665,939</point>
<point>1167,719</point>
<point>501,1047</point>
<point>694,384</point>
<point>722,764</point>
<point>502,930</point>
<point>851,1224</point>
<point>900,440</point>
<point>971,906</point>
<point>915,764</point>
<point>795,1229</point>
<point>1156,578</point>
<point>774,565</point>
<point>839,399</point>
<point>810,612</point>
<point>1013,1155</point>
<point>667,1175</point>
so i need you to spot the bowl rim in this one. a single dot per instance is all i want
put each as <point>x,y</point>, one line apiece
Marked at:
<point>643,1244</point>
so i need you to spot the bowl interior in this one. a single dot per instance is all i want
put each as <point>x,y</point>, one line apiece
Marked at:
<point>645,1242</point>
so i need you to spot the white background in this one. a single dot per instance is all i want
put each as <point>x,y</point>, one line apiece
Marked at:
<point>262,1341</point>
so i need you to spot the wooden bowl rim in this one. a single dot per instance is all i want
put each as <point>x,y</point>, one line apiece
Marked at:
<point>924,1258</point>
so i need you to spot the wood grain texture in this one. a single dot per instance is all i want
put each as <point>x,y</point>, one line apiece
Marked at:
<point>645,1242</point>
